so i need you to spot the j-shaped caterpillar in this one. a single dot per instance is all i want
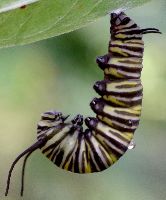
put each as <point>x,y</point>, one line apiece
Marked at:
<point>118,110</point>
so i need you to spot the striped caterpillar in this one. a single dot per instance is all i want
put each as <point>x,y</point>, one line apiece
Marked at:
<point>108,136</point>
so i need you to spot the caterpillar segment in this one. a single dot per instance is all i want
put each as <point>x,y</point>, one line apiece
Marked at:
<point>119,92</point>
<point>118,109</point>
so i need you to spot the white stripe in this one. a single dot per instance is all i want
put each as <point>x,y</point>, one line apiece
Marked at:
<point>113,146</point>
<point>124,125</point>
<point>132,52</point>
<point>131,74</point>
<point>68,146</point>
<point>129,52</point>
<point>127,25</point>
<point>127,65</point>
<point>122,116</point>
<point>114,88</point>
<point>57,136</point>
<point>129,36</point>
<point>96,146</point>
<point>107,132</point>
<point>115,42</point>
<point>128,29</point>
<point>129,99</point>
<point>92,156</point>
<point>82,149</point>
<point>111,112</point>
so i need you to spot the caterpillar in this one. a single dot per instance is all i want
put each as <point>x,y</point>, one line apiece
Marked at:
<point>118,109</point>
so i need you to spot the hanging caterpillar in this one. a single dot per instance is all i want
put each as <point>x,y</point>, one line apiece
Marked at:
<point>118,110</point>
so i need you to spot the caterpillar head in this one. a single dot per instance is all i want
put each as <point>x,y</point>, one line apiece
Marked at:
<point>53,116</point>
<point>49,120</point>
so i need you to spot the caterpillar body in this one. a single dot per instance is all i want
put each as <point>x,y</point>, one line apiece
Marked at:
<point>118,109</point>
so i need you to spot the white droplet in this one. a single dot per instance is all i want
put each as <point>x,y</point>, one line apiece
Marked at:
<point>132,145</point>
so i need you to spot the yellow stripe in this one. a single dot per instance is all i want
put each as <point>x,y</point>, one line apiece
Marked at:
<point>114,100</point>
<point>120,35</point>
<point>118,50</point>
<point>106,129</point>
<point>87,163</point>
<point>131,86</point>
<point>113,157</point>
<point>123,43</point>
<point>113,72</point>
<point>136,63</point>
<point>133,41</point>
<point>136,110</point>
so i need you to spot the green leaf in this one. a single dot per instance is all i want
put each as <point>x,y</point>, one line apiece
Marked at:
<point>27,21</point>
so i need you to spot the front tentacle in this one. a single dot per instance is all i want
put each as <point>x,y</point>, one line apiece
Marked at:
<point>31,149</point>
<point>23,172</point>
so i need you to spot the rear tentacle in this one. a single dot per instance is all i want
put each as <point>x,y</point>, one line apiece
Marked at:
<point>150,30</point>
<point>23,172</point>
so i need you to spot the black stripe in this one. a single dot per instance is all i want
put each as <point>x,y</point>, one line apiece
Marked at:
<point>84,155</point>
<point>117,144</point>
<point>130,94</point>
<point>77,153</point>
<point>131,61</point>
<point>89,150</point>
<point>125,21</point>
<point>100,88</point>
<point>126,113</point>
<point>48,118</point>
<point>104,155</point>
<point>110,149</point>
<point>125,68</point>
<point>124,76</point>
<point>130,38</point>
<point>42,128</point>
<point>55,153</point>
<point>71,163</point>
<point>55,144</point>
<point>69,154</point>
<point>128,103</point>
<point>131,32</point>
<point>50,154</point>
<point>115,134</point>
<point>98,108</point>
<point>59,157</point>
<point>128,27</point>
<point>125,125</point>
<point>93,151</point>
<point>130,48</point>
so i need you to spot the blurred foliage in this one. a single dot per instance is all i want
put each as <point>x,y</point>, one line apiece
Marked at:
<point>59,74</point>
<point>26,21</point>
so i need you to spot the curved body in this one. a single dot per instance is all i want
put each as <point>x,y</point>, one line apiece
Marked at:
<point>117,110</point>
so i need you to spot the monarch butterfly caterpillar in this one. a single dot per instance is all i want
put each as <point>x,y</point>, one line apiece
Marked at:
<point>118,110</point>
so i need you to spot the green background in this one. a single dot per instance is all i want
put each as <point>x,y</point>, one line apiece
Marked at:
<point>58,74</point>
